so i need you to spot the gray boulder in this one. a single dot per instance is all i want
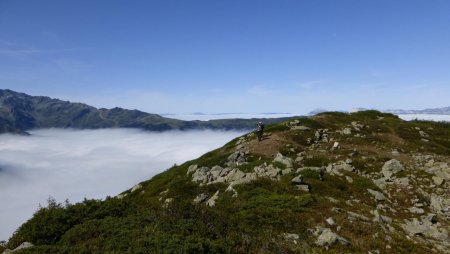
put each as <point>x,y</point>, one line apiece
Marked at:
<point>426,229</point>
<point>237,158</point>
<point>377,195</point>
<point>191,169</point>
<point>24,245</point>
<point>327,238</point>
<point>297,180</point>
<point>438,180</point>
<point>303,187</point>
<point>336,168</point>
<point>392,167</point>
<point>212,201</point>
<point>136,187</point>
<point>288,162</point>
<point>201,198</point>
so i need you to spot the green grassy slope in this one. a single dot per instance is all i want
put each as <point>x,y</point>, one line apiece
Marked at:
<point>160,216</point>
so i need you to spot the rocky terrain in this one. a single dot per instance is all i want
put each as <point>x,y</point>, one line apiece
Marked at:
<point>365,182</point>
<point>20,112</point>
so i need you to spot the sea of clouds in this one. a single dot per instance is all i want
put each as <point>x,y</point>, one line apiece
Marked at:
<point>78,164</point>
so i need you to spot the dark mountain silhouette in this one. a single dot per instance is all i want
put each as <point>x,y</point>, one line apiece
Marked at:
<point>20,112</point>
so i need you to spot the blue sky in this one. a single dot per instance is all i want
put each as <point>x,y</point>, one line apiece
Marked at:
<point>211,56</point>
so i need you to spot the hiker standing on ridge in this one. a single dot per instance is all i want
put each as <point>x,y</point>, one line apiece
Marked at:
<point>260,130</point>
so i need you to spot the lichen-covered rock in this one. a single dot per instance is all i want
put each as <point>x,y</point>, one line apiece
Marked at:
<point>291,237</point>
<point>201,198</point>
<point>191,169</point>
<point>297,180</point>
<point>212,201</point>
<point>425,228</point>
<point>377,195</point>
<point>136,187</point>
<point>288,162</point>
<point>24,245</point>
<point>391,167</point>
<point>380,218</point>
<point>352,216</point>
<point>438,180</point>
<point>237,158</point>
<point>327,238</point>
<point>336,168</point>
<point>304,187</point>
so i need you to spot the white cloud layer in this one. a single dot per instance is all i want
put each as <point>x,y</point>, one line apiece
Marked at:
<point>75,164</point>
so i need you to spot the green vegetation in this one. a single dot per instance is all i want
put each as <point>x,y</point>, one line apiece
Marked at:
<point>161,217</point>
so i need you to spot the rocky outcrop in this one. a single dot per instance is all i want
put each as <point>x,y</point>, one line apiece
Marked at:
<point>237,158</point>
<point>426,228</point>
<point>212,200</point>
<point>24,245</point>
<point>338,167</point>
<point>288,162</point>
<point>377,195</point>
<point>391,167</point>
<point>327,238</point>
<point>136,187</point>
<point>217,174</point>
<point>201,198</point>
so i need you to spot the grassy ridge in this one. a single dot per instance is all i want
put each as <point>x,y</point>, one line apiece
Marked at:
<point>161,217</point>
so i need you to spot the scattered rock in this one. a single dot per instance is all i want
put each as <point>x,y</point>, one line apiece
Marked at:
<point>327,238</point>
<point>330,221</point>
<point>321,135</point>
<point>431,217</point>
<point>191,169</point>
<point>425,228</point>
<point>377,195</point>
<point>212,201</point>
<point>167,202</point>
<point>391,167</point>
<point>297,180</point>
<point>291,237</point>
<point>416,210</point>
<point>300,128</point>
<point>355,216</point>
<point>335,146</point>
<point>121,196</point>
<point>349,179</point>
<point>380,218</point>
<point>335,168</point>
<point>230,188</point>
<point>423,134</point>
<point>24,245</point>
<point>333,200</point>
<point>201,198</point>
<point>438,180</point>
<point>303,187</point>
<point>284,160</point>
<point>237,158</point>
<point>268,171</point>
<point>136,187</point>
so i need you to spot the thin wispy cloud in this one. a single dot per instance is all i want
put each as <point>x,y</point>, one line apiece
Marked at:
<point>28,51</point>
<point>76,164</point>
<point>10,48</point>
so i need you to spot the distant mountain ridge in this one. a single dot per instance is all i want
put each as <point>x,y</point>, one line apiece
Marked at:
<point>432,111</point>
<point>20,112</point>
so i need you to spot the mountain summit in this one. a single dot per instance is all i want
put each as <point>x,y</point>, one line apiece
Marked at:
<point>365,182</point>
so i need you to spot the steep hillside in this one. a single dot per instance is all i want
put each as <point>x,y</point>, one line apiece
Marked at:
<point>365,182</point>
<point>20,112</point>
